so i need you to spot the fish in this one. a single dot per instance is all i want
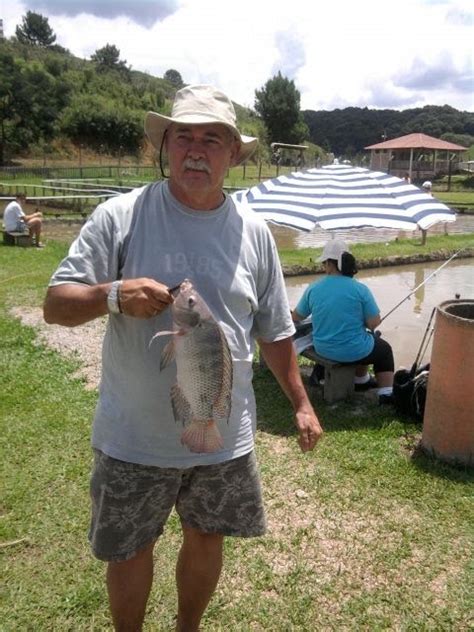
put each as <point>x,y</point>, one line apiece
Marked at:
<point>201,396</point>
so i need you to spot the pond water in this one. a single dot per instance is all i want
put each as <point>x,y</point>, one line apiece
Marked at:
<point>405,327</point>
<point>289,238</point>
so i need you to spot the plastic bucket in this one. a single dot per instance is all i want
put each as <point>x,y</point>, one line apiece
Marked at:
<point>448,422</point>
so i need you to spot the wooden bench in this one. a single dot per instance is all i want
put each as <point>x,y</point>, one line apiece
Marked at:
<point>17,239</point>
<point>338,378</point>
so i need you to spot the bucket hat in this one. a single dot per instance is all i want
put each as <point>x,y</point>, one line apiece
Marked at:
<point>199,105</point>
<point>333,250</point>
<point>426,185</point>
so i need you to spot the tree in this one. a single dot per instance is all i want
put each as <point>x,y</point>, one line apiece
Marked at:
<point>278,103</point>
<point>359,127</point>
<point>35,30</point>
<point>30,102</point>
<point>108,58</point>
<point>465,140</point>
<point>98,121</point>
<point>8,83</point>
<point>174,78</point>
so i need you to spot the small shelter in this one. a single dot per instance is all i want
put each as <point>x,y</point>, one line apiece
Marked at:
<point>286,154</point>
<point>418,155</point>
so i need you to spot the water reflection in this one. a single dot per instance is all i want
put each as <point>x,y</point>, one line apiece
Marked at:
<point>404,328</point>
<point>419,289</point>
<point>289,238</point>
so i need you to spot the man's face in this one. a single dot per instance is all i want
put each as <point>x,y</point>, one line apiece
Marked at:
<point>199,157</point>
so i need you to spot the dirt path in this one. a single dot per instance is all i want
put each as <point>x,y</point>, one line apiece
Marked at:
<point>83,342</point>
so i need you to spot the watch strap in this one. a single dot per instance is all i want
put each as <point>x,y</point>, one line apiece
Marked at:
<point>113,298</point>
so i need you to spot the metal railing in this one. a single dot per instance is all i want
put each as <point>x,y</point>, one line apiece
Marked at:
<point>114,172</point>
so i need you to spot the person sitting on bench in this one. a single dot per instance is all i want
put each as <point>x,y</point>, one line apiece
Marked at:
<point>16,221</point>
<point>344,315</point>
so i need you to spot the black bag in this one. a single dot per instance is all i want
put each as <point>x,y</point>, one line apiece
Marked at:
<point>409,391</point>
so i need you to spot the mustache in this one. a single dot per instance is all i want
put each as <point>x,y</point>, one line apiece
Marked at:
<point>197,165</point>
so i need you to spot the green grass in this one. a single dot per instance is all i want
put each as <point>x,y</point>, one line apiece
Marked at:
<point>456,199</point>
<point>363,534</point>
<point>448,244</point>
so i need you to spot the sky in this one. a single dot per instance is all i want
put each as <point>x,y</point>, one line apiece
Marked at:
<point>394,54</point>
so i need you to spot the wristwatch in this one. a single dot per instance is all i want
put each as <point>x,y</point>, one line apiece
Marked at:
<point>113,298</point>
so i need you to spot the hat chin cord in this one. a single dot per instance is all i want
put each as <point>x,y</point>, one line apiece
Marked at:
<point>163,174</point>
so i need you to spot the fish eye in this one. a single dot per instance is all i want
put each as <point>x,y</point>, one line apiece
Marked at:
<point>191,301</point>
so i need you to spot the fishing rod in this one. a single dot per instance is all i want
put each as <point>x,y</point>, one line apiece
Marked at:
<point>423,283</point>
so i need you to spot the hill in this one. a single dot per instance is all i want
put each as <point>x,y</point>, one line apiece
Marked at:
<point>347,131</point>
<point>51,100</point>
<point>47,94</point>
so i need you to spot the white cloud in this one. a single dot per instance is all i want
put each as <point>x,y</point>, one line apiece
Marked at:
<point>291,54</point>
<point>367,53</point>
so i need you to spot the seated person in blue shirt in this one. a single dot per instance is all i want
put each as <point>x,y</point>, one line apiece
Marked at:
<point>344,315</point>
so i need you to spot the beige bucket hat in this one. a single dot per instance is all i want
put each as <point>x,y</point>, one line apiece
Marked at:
<point>199,105</point>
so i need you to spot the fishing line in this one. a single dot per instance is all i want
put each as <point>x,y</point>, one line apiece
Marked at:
<point>17,276</point>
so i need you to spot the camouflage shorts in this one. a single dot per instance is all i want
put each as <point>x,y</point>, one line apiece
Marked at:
<point>131,503</point>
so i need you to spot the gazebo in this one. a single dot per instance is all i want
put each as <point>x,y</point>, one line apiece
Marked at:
<point>418,155</point>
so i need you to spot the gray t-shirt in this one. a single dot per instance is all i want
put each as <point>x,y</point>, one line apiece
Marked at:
<point>230,256</point>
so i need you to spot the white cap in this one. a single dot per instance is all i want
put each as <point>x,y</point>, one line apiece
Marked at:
<point>426,184</point>
<point>333,250</point>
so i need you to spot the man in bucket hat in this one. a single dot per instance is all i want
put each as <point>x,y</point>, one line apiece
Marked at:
<point>132,250</point>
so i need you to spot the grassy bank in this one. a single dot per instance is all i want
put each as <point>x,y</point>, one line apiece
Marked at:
<point>456,199</point>
<point>363,534</point>
<point>373,252</point>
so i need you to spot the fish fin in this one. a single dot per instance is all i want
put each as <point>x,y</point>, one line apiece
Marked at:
<point>168,354</point>
<point>181,409</point>
<point>173,332</point>
<point>202,437</point>
<point>165,332</point>
<point>223,401</point>
<point>158,334</point>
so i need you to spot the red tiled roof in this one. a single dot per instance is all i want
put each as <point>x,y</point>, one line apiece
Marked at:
<point>417,141</point>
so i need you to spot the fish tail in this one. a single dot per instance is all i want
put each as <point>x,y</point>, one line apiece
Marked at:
<point>202,437</point>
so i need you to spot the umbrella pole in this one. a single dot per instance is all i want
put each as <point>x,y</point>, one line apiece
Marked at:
<point>422,283</point>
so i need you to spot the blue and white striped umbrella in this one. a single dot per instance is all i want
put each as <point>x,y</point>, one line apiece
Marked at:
<point>340,197</point>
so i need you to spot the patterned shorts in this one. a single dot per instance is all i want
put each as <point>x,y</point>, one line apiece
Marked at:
<point>131,503</point>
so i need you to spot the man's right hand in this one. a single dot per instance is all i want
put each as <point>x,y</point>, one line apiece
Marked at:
<point>74,304</point>
<point>144,297</point>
